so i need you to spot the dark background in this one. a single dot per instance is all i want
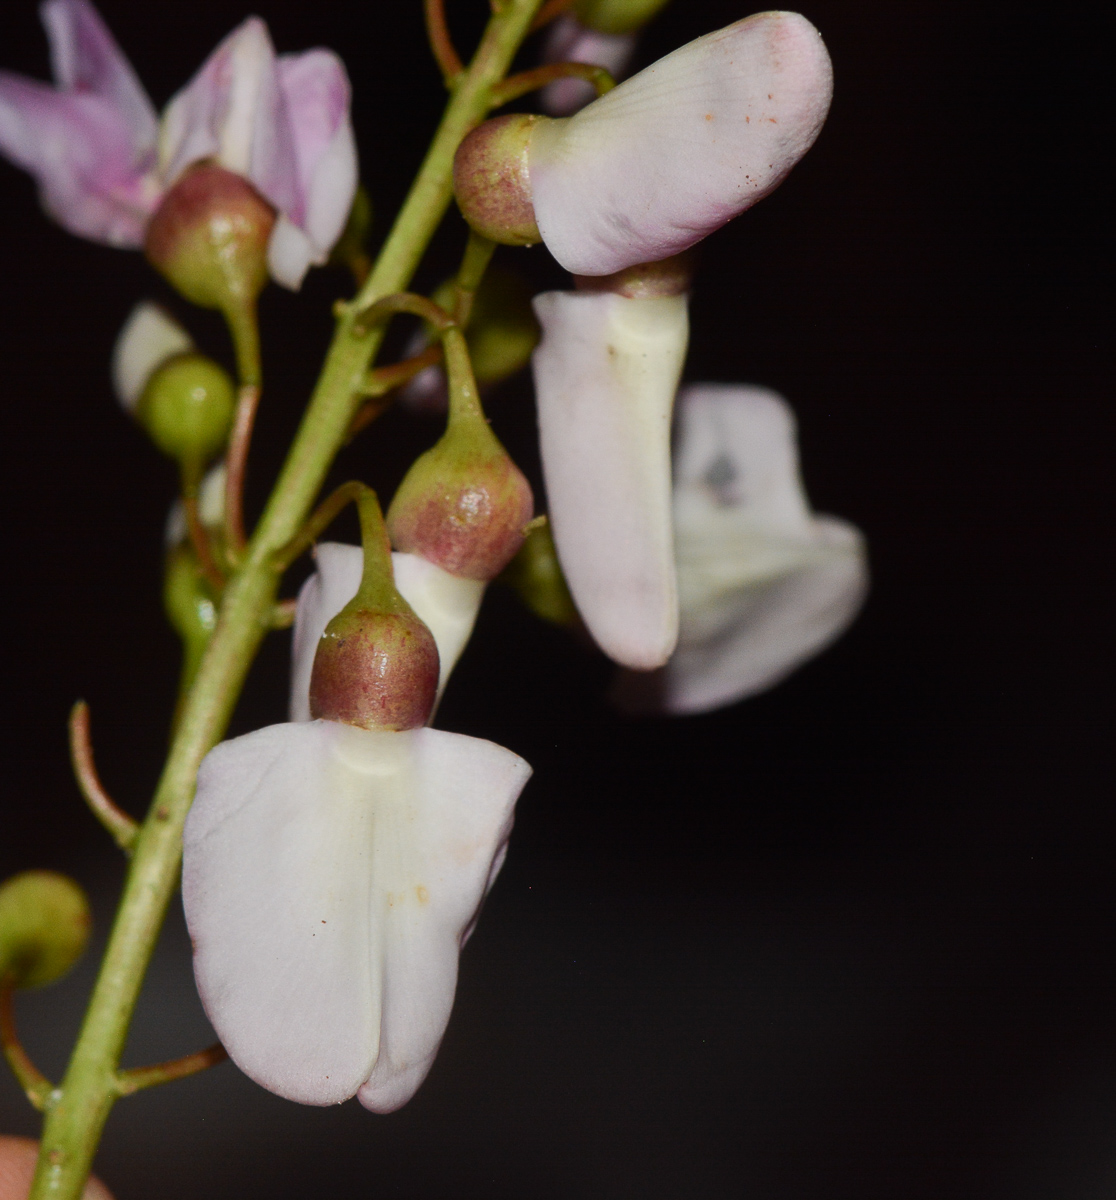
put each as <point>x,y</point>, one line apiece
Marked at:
<point>852,940</point>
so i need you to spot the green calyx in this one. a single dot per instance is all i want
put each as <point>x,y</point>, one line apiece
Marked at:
<point>502,330</point>
<point>464,504</point>
<point>536,575</point>
<point>376,666</point>
<point>616,16</point>
<point>44,927</point>
<point>187,408</point>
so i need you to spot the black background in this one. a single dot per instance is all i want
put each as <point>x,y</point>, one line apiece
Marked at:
<point>852,939</point>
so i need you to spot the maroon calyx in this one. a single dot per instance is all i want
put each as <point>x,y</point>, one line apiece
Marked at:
<point>376,670</point>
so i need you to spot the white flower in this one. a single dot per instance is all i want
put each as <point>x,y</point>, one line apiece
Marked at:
<point>332,874</point>
<point>688,143</point>
<point>330,877</point>
<point>104,161</point>
<point>606,372</point>
<point>764,584</point>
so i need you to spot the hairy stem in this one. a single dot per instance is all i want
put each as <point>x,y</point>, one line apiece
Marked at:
<point>90,1087</point>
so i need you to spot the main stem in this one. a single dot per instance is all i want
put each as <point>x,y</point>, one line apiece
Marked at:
<point>79,1107</point>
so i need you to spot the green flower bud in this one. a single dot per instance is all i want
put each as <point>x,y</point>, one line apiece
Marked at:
<point>502,330</point>
<point>616,16</point>
<point>187,407</point>
<point>44,927</point>
<point>376,665</point>
<point>187,598</point>
<point>492,182</point>
<point>209,239</point>
<point>350,246</point>
<point>536,575</point>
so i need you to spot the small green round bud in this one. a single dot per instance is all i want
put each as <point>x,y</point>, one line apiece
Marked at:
<point>187,407</point>
<point>492,183</point>
<point>536,575</point>
<point>375,670</point>
<point>616,16</point>
<point>209,238</point>
<point>502,331</point>
<point>463,506</point>
<point>44,927</point>
<point>187,599</point>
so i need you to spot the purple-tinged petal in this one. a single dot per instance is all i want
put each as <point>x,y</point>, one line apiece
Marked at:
<point>86,59</point>
<point>605,377</point>
<point>317,95</point>
<point>764,584</point>
<point>446,604</point>
<point>679,149</point>
<point>570,41</point>
<point>329,877</point>
<point>146,340</point>
<point>233,111</point>
<point>80,152</point>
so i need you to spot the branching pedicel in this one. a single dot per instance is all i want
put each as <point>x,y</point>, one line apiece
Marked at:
<point>334,865</point>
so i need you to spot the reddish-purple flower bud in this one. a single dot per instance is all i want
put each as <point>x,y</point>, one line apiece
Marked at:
<point>376,666</point>
<point>464,504</point>
<point>376,670</point>
<point>209,238</point>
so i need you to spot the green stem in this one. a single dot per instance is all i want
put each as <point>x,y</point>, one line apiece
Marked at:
<point>80,1107</point>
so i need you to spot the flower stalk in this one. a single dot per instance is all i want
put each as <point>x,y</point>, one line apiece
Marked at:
<point>79,1107</point>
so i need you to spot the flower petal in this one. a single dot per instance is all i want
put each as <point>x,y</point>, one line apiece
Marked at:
<point>92,180</point>
<point>234,111</point>
<point>764,585</point>
<point>679,149</point>
<point>445,603</point>
<point>570,41</point>
<point>605,376</point>
<point>86,58</point>
<point>329,874</point>
<point>317,94</point>
<point>147,339</point>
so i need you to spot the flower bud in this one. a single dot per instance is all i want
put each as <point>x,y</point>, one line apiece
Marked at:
<point>44,927</point>
<point>376,665</point>
<point>209,238</point>
<point>187,407</point>
<point>464,504</point>
<point>187,598</point>
<point>349,250</point>
<point>502,330</point>
<point>536,575</point>
<point>616,16</point>
<point>492,183</point>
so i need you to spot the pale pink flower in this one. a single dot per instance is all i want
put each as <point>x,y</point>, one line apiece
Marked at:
<point>764,583</point>
<point>682,147</point>
<point>104,161</point>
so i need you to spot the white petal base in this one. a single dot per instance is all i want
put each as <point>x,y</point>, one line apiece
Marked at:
<point>329,877</point>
